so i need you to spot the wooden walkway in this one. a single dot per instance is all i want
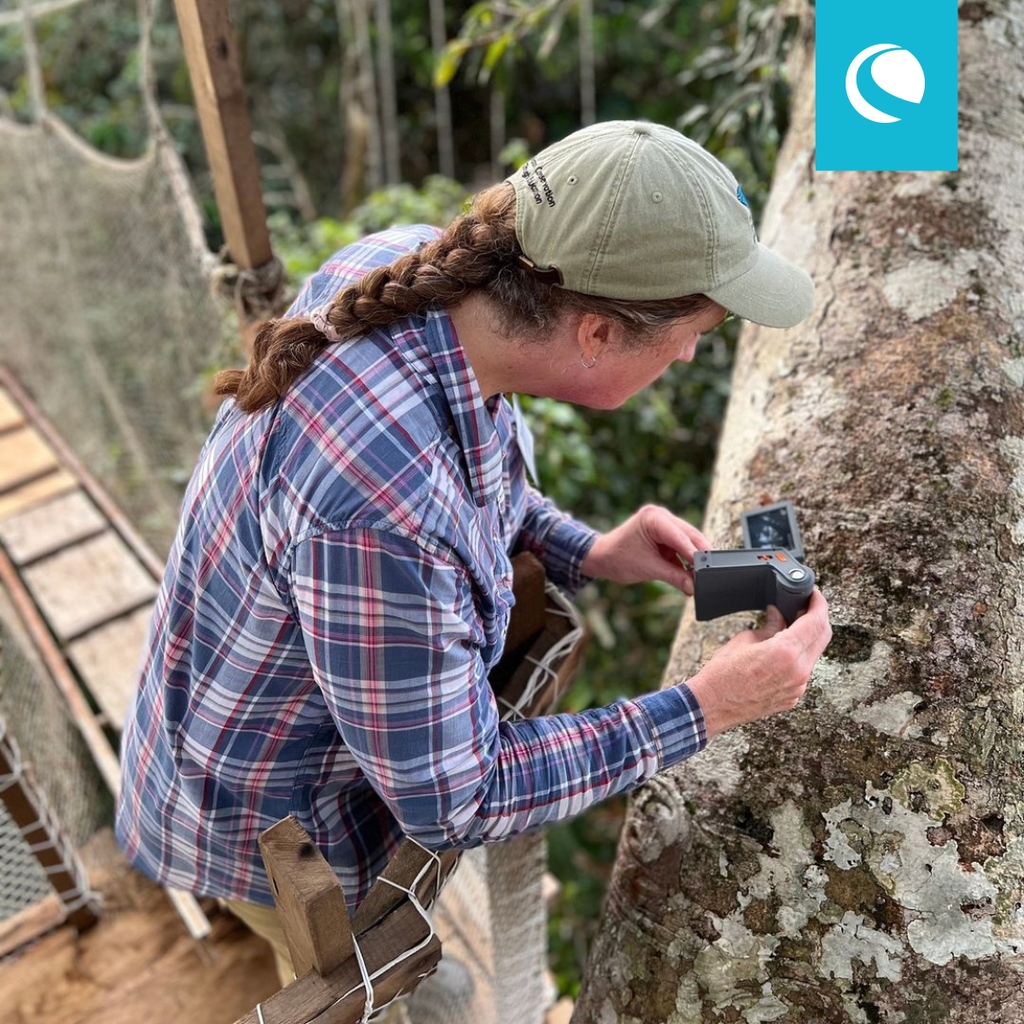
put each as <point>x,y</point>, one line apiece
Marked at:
<point>81,580</point>
<point>85,574</point>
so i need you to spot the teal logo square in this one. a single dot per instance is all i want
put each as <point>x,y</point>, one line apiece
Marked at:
<point>885,76</point>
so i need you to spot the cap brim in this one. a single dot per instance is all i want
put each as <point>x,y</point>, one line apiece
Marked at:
<point>773,292</point>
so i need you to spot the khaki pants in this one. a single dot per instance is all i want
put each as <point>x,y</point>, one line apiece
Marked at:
<point>265,922</point>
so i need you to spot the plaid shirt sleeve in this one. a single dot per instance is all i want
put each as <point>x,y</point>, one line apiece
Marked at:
<point>394,634</point>
<point>557,539</point>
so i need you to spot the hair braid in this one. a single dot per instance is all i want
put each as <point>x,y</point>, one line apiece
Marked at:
<point>467,256</point>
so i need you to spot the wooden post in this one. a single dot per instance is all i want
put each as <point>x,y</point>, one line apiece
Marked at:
<point>397,950</point>
<point>309,899</point>
<point>212,56</point>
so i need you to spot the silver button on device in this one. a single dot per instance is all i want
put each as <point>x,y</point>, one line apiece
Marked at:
<point>797,574</point>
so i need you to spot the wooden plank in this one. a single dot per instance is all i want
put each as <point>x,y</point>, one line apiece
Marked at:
<point>108,660</point>
<point>84,586</point>
<point>24,455</point>
<point>190,912</point>
<point>211,53</point>
<point>28,924</point>
<point>10,415</point>
<point>530,609</point>
<point>73,465</point>
<point>339,997</point>
<point>404,868</point>
<point>99,745</point>
<point>37,491</point>
<point>309,899</point>
<point>542,702</point>
<point>529,614</point>
<point>46,528</point>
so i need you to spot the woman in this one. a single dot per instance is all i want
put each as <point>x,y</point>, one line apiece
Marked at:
<point>340,584</point>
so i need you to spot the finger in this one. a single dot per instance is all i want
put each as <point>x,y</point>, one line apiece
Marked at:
<point>668,530</point>
<point>700,542</point>
<point>774,623</point>
<point>813,629</point>
<point>774,620</point>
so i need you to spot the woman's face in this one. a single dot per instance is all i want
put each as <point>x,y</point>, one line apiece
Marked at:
<point>620,371</point>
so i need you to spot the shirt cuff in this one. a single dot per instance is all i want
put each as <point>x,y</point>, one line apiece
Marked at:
<point>676,721</point>
<point>565,547</point>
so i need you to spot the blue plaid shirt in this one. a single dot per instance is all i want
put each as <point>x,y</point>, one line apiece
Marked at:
<point>337,592</point>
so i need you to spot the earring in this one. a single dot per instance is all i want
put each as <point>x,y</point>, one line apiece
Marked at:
<point>585,364</point>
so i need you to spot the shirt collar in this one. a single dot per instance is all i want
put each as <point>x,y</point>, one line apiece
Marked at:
<point>478,433</point>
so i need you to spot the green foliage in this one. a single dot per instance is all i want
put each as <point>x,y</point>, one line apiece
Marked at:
<point>303,248</point>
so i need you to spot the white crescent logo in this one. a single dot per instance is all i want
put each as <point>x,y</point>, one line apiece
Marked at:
<point>895,70</point>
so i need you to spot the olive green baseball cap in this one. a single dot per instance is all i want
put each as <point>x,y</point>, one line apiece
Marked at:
<point>636,210</point>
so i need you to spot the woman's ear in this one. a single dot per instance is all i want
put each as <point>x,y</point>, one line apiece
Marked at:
<point>593,335</point>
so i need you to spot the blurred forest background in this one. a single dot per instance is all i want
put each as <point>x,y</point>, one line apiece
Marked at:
<point>367,113</point>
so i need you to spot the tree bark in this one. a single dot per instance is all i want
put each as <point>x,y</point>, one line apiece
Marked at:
<point>442,97</point>
<point>588,76</point>
<point>388,98</point>
<point>860,859</point>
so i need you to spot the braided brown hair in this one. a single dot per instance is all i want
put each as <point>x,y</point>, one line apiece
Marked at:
<point>478,251</point>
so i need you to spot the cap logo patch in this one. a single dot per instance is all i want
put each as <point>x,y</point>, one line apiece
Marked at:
<point>533,177</point>
<point>741,197</point>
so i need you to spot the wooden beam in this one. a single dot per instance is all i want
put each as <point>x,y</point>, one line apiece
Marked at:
<point>309,899</point>
<point>96,740</point>
<point>28,924</point>
<point>406,871</point>
<point>212,56</point>
<point>339,997</point>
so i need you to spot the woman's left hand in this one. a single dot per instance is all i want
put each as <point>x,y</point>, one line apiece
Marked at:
<point>653,544</point>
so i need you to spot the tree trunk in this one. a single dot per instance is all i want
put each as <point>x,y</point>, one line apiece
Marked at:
<point>388,98</point>
<point>353,115</point>
<point>588,78</point>
<point>860,859</point>
<point>367,91</point>
<point>442,98</point>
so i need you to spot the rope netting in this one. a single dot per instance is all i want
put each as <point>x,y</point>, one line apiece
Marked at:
<point>22,880</point>
<point>53,765</point>
<point>109,319</point>
<point>109,324</point>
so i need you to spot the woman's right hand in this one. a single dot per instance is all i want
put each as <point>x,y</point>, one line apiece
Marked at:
<point>760,672</point>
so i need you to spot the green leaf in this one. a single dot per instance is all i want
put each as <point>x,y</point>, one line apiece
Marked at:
<point>497,50</point>
<point>448,65</point>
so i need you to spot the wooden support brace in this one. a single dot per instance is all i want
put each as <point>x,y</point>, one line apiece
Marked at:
<point>411,868</point>
<point>398,948</point>
<point>309,899</point>
<point>340,997</point>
